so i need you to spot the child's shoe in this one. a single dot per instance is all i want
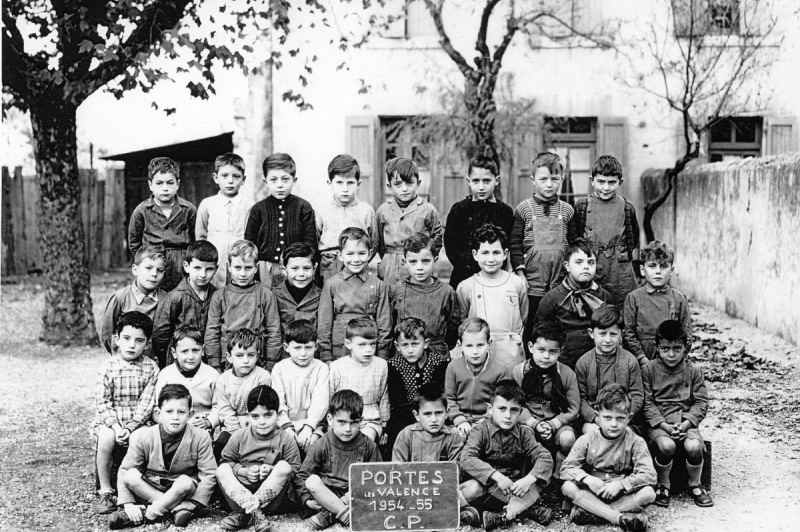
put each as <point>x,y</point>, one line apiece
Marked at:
<point>581,517</point>
<point>119,520</point>
<point>701,496</point>
<point>662,496</point>
<point>105,504</point>
<point>541,515</point>
<point>182,518</point>
<point>633,522</point>
<point>492,520</point>
<point>262,525</point>
<point>321,520</point>
<point>237,521</point>
<point>469,516</point>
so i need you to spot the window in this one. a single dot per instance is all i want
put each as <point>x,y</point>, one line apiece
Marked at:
<point>705,17</point>
<point>574,139</point>
<point>732,139</point>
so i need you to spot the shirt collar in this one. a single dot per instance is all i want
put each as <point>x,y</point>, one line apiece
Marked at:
<point>236,200</point>
<point>348,274</point>
<point>139,296</point>
<point>651,290</point>
<point>494,428</point>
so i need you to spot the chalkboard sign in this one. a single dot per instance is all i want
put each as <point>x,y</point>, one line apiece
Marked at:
<point>404,496</point>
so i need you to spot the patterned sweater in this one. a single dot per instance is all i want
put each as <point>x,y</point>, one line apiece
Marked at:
<point>230,396</point>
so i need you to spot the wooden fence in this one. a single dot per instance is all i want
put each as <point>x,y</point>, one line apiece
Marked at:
<point>103,212</point>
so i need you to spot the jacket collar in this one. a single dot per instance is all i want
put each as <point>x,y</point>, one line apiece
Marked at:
<point>494,428</point>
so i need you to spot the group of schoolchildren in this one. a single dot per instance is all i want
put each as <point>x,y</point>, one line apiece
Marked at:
<point>260,381</point>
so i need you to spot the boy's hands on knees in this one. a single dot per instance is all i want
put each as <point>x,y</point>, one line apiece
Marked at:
<point>503,482</point>
<point>684,427</point>
<point>610,489</point>
<point>521,487</point>
<point>464,428</point>
<point>383,439</point>
<point>304,437</point>
<point>264,470</point>
<point>669,429</point>
<point>314,505</point>
<point>594,484</point>
<point>252,474</point>
<point>545,430</point>
<point>134,512</point>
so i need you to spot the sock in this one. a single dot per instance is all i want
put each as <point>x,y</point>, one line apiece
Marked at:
<point>517,505</point>
<point>268,490</point>
<point>557,466</point>
<point>592,504</point>
<point>694,472</point>
<point>663,471</point>
<point>462,502</point>
<point>628,503</point>
<point>240,495</point>
<point>344,517</point>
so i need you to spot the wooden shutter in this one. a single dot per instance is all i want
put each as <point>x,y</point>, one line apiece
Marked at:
<point>612,139</point>
<point>780,135</point>
<point>360,136</point>
<point>755,17</point>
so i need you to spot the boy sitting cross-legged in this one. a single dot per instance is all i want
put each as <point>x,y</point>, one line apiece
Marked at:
<point>365,374</point>
<point>301,383</point>
<point>123,398</point>
<point>190,371</point>
<point>234,385</point>
<point>506,465</point>
<point>257,466</point>
<point>675,403</point>
<point>169,467</point>
<point>323,482</point>
<point>609,474</point>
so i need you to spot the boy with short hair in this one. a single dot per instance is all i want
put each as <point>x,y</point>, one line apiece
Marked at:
<point>123,397</point>
<point>675,403</point>
<point>323,482</point>
<point>401,216</point>
<point>343,210</point>
<point>507,467</point>
<point>365,374</point>
<point>413,367</point>
<point>609,473</point>
<point>608,363</point>
<point>143,295</point>
<point>352,293</point>
<point>234,385</point>
<point>551,392</point>
<point>258,463</point>
<point>608,222</point>
<point>496,295</point>
<point>221,218</point>
<point>302,383</point>
<point>297,296</point>
<point>244,303</point>
<point>423,296</point>
<point>187,305</point>
<point>429,439</point>
<point>469,380</point>
<point>164,219</point>
<point>656,301</point>
<point>169,467</point>
<point>479,208</point>
<point>539,237</point>
<point>279,220</point>
<point>574,301</point>
<point>190,371</point>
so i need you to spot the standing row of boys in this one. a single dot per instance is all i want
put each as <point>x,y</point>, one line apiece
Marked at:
<point>512,366</point>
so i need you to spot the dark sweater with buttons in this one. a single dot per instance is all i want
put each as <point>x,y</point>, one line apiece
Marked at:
<point>275,224</point>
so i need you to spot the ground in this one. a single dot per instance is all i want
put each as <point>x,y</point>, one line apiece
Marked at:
<point>46,454</point>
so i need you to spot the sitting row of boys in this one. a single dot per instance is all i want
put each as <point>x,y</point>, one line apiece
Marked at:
<point>607,473</point>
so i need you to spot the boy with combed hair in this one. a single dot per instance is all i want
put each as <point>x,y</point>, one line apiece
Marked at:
<point>479,208</point>
<point>421,295</point>
<point>608,222</point>
<point>302,383</point>
<point>675,403</point>
<point>506,465</point>
<point>608,363</point>
<point>352,293</point>
<point>365,374</point>
<point>401,216</point>
<point>188,304</point>
<point>343,210</point>
<point>429,439</point>
<point>258,463</point>
<point>123,398</point>
<point>169,467</point>
<point>244,303</point>
<point>143,295</point>
<point>323,482</point>
<point>496,295</point>
<point>221,218</point>
<point>609,473</point>
<point>655,302</point>
<point>280,219</point>
<point>164,219</point>
<point>297,296</point>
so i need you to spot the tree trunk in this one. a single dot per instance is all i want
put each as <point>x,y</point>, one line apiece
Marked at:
<point>67,317</point>
<point>670,175</point>
<point>482,109</point>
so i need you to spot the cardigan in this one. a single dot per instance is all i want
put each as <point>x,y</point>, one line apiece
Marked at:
<point>274,224</point>
<point>469,393</point>
<point>201,387</point>
<point>626,372</point>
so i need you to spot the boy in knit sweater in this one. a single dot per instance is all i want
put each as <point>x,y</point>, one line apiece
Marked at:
<point>279,220</point>
<point>675,403</point>
<point>365,374</point>
<point>607,364</point>
<point>609,473</point>
<point>323,482</point>
<point>423,296</point>
<point>496,295</point>
<point>243,304</point>
<point>341,211</point>
<point>479,208</point>
<point>297,296</point>
<point>656,301</point>
<point>301,383</point>
<point>258,463</point>
<point>234,385</point>
<point>189,370</point>
<point>469,380</point>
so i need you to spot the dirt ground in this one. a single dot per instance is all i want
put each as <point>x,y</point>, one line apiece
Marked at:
<point>46,454</point>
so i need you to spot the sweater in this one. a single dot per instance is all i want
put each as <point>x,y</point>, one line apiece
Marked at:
<point>436,304</point>
<point>672,395</point>
<point>645,309</point>
<point>405,381</point>
<point>201,386</point>
<point>274,224</point>
<point>230,396</point>
<point>181,307</point>
<point>533,413</point>
<point>414,444</point>
<point>245,448</point>
<point>618,368</point>
<point>501,301</point>
<point>303,392</point>
<point>124,300</point>
<point>333,217</point>
<point>469,393</point>
<point>367,380</point>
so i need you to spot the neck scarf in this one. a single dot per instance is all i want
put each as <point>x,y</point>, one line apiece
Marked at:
<point>298,293</point>
<point>404,204</point>
<point>545,203</point>
<point>579,298</point>
<point>533,387</point>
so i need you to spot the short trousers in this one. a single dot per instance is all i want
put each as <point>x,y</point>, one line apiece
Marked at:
<point>552,444</point>
<point>691,434</point>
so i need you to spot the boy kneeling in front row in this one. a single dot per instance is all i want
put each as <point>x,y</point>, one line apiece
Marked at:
<point>178,463</point>
<point>609,473</point>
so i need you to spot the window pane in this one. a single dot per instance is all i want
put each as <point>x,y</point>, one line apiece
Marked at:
<point>721,131</point>
<point>580,183</point>
<point>745,130</point>
<point>582,126</point>
<point>579,159</point>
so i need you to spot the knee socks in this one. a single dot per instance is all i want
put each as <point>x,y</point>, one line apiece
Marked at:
<point>694,471</point>
<point>517,505</point>
<point>594,505</point>
<point>662,470</point>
